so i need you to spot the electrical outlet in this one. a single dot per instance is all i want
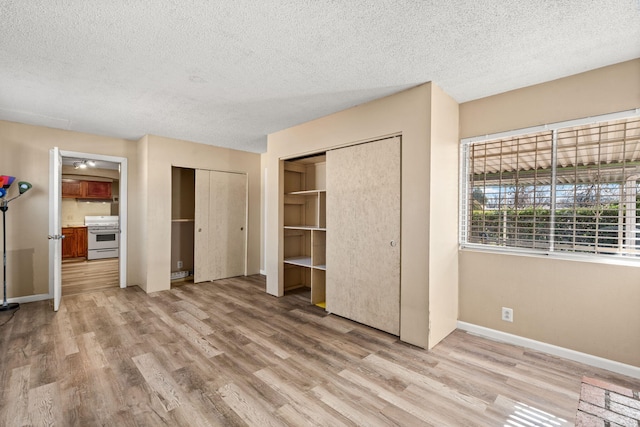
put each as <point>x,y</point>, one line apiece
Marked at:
<point>180,264</point>
<point>507,314</point>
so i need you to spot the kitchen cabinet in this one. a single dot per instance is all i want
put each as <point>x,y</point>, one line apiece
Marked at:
<point>98,190</point>
<point>72,188</point>
<point>74,244</point>
<point>80,189</point>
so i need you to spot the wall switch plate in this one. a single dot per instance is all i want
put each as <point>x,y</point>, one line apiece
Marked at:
<point>507,314</point>
<point>180,264</point>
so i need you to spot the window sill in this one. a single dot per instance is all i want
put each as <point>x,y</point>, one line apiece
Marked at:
<point>597,259</point>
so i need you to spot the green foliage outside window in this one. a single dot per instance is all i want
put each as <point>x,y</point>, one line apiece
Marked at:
<point>529,227</point>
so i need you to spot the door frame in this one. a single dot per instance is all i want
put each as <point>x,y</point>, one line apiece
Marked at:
<point>122,207</point>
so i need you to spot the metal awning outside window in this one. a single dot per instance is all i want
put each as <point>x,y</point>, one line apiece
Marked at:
<point>572,188</point>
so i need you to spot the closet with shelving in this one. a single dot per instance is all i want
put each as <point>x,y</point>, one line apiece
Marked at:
<point>304,231</point>
<point>182,222</point>
<point>353,194</point>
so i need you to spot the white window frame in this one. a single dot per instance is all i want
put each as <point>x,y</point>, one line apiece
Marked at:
<point>464,193</point>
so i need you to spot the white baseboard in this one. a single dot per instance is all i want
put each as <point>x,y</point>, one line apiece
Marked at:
<point>30,298</point>
<point>263,272</point>
<point>587,359</point>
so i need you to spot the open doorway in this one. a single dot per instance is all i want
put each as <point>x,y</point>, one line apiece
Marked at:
<point>92,217</point>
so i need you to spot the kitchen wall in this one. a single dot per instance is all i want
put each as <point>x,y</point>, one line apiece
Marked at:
<point>73,211</point>
<point>584,306</point>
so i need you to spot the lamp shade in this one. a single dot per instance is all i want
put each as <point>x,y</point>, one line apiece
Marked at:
<point>6,181</point>
<point>24,186</point>
<point>3,192</point>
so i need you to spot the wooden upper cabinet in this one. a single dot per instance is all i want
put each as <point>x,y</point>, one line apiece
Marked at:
<point>98,189</point>
<point>72,188</point>
<point>77,189</point>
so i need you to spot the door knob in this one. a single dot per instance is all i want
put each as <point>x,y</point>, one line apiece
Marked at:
<point>393,243</point>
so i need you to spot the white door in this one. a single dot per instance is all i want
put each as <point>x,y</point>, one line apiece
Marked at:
<point>363,233</point>
<point>220,225</point>
<point>55,237</point>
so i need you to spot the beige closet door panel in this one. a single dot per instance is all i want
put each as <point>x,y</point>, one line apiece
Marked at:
<point>363,233</point>
<point>220,225</point>
<point>227,224</point>
<point>201,264</point>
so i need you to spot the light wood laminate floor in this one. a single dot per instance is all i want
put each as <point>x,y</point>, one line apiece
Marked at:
<point>80,276</point>
<point>226,353</point>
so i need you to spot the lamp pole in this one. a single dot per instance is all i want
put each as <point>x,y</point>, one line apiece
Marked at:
<point>4,205</point>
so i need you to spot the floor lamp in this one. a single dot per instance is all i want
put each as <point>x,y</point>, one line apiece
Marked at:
<point>23,187</point>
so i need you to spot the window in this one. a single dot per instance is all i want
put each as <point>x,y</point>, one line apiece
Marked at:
<point>570,187</point>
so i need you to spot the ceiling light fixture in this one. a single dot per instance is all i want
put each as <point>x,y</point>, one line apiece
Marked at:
<point>83,164</point>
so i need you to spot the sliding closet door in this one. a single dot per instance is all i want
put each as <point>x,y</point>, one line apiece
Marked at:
<point>201,263</point>
<point>220,225</point>
<point>363,233</point>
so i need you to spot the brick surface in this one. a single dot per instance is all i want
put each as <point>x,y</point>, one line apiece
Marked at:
<point>607,415</point>
<point>592,394</point>
<point>607,386</point>
<point>588,420</point>
<point>624,400</point>
<point>607,405</point>
<point>624,410</point>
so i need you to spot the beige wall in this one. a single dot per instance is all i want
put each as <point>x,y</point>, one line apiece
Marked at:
<point>408,113</point>
<point>25,155</point>
<point>587,307</point>
<point>138,239</point>
<point>443,216</point>
<point>158,155</point>
<point>601,91</point>
<point>263,207</point>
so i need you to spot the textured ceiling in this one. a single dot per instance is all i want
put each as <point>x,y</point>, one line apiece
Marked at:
<point>228,72</point>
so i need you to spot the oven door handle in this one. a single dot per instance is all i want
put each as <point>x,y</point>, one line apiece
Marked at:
<point>105,232</point>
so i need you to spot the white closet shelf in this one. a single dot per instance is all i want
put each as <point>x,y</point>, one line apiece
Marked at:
<point>306,192</point>
<point>302,261</point>
<point>304,227</point>
<point>183,220</point>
